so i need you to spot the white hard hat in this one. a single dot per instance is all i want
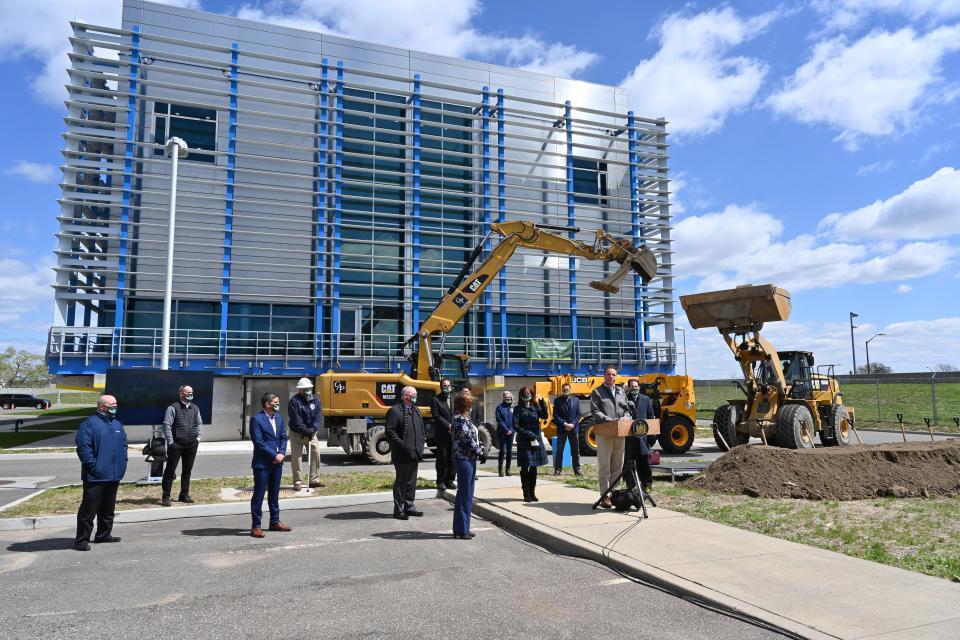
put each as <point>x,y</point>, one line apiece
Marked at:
<point>304,383</point>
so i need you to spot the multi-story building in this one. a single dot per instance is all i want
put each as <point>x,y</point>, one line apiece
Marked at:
<point>332,191</point>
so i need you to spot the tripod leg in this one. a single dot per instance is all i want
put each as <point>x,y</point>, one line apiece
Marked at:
<point>609,490</point>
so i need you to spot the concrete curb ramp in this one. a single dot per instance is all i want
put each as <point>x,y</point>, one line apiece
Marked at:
<point>239,508</point>
<point>811,592</point>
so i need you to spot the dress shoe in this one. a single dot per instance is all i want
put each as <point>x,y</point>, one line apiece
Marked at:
<point>577,472</point>
<point>165,501</point>
<point>107,539</point>
<point>470,534</point>
<point>508,471</point>
<point>556,472</point>
<point>441,487</point>
<point>317,484</point>
<point>401,516</point>
<point>605,503</point>
<point>82,546</point>
<point>280,527</point>
<point>257,532</point>
<point>297,486</point>
<point>413,512</point>
<point>463,536</point>
<point>186,499</point>
<point>533,497</point>
<point>452,486</point>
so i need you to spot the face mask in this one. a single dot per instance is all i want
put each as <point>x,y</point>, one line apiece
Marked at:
<point>111,411</point>
<point>525,398</point>
<point>446,390</point>
<point>308,394</point>
<point>188,398</point>
<point>413,399</point>
<point>276,407</point>
<point>566,394</point>
<point>633,393</point>
<point>508,402</point>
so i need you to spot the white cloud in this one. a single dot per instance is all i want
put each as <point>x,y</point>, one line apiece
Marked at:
<point>694,80</point>
<point>442,27</point>
<point>26,302</point>
<point>873,87</point>
<point>903,288</point>
<point>39,30</point>
<point>739,244</point>
<point>927,209</point>
<point>876,167</point>
<point>34,171</point>
<point>845,14</point>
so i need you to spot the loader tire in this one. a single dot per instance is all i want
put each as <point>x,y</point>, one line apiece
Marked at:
<point>840,421</point>
<point>725,421</point>
<point>676,434</point>
<point>376,446</point>
<point>588,439</point>
<point>486,441</point>
<point>795,427</point>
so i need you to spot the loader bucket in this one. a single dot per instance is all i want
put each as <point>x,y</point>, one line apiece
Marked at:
<point>642,261</point>
<point>737,308</point>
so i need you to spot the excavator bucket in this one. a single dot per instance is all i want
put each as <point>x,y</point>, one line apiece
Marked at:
<point>641,261</point>
<point>742,307</point>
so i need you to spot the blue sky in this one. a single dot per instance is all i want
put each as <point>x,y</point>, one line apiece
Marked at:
<point>815,144</point>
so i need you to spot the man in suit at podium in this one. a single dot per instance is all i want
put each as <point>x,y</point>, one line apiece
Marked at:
<point>608,402</point>
<point>269,437</point>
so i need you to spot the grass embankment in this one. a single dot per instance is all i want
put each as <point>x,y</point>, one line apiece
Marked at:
<point>62,412</point>
<point>66,500</point>
<point>10,439</point>
<point>917,534</point>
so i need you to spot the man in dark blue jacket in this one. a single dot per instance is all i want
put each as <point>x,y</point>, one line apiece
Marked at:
<point>566,418</point>
<point>102,449</point>
<point>306,420</point>
<point>269,448</point>
<point>504,415</point>
<point>637,449</point>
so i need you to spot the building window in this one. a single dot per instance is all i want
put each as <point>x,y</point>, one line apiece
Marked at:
<point>194,125</point>
<point>589,181</point>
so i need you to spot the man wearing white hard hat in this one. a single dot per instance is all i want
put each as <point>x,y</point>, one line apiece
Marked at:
<point>306,420</point>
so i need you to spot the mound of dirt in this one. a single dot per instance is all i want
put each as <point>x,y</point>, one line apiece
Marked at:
<point>907,469</point>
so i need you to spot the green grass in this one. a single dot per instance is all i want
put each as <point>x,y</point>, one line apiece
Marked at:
<point>917,534</point>
<point>10,439</point>
<point>914,400</point>
<point>53,413</point>
<point>73,397</point>
<point>66,500</point>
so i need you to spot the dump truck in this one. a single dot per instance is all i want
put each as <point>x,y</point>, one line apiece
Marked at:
<point>355,404</point>
<point>672,397</point>
<point>786,402</point>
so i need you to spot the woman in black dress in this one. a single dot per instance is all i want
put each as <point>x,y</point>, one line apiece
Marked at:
<point>531,452</point>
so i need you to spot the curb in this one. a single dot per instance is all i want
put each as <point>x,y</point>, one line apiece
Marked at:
<point>205,510</point>
<point>564,544</point>
<point>913,433</point>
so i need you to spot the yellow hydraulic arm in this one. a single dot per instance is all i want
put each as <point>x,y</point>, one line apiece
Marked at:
<point>468,285</point>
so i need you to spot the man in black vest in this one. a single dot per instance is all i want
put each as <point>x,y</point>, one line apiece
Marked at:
<point>441,407</point>
<point>182,428</point>
<point>404,430</point>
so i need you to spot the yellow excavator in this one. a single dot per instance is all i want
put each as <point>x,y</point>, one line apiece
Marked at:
<point>786,403</point>
<point>355,403</point>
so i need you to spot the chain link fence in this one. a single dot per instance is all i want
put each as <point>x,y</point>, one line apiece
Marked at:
<point>880,400</point>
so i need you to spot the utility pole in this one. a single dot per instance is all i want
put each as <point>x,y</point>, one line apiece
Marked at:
<point>853,348</point>
<point>177,149</point>
<point>867,345</point>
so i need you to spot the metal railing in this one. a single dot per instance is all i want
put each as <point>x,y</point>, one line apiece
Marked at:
<point>122,344</point>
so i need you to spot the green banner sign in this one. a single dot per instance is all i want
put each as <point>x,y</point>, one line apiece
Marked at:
<point>549,349</point>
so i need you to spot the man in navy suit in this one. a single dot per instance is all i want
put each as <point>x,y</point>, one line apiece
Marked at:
<point>638,451</point>
<point>566,418</point>
<point>269,437</point>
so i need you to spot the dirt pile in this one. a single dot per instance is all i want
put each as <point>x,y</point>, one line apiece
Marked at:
<point>837,473</point>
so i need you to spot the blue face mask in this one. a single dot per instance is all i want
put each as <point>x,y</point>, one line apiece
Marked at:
<point>188,398</point>
<point>111,411</point>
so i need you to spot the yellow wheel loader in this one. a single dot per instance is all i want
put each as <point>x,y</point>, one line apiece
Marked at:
<point>786,402</point>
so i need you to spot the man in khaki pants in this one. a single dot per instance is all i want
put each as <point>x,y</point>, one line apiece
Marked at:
<point>609,402</point>
<point>306,419</point>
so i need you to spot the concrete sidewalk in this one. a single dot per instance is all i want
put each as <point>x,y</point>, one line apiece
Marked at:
<point>812,592</point>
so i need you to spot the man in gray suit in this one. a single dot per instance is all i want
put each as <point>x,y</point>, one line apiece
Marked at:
<point>609,402</point>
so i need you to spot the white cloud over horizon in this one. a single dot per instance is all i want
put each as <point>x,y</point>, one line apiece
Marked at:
<point>846,14</point>
<point>876,86</point>
<point>39,172</point>
<point>695,79</point>
<point>26,302</point>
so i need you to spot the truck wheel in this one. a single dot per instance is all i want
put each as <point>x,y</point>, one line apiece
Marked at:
<point>588,440</point>
<point>483,435</point>
<point>676,434</point>
<point>376,446</point>
<point>725,421</point>
<point>795,427</point>
<point>840,420</point>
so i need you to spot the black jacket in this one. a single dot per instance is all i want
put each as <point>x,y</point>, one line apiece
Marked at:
<point>642,407</point>
<point>302,418</point>
<point>405,434</point>
<point>442,417</point>
<point>566,409</point>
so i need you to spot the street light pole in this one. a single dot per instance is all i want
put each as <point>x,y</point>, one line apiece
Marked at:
<point>867,345</point>
<point>176,149</point>
<point>684,332</point>
<point>853,348</point>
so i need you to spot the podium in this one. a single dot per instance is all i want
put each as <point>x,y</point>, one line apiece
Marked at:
<point>624,427</point>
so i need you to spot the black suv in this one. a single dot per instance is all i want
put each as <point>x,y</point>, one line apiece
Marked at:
<point>14,400</point>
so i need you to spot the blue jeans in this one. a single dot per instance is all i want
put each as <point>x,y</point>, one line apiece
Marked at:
<point>266,481</point>
<point>463,504</point>
<point>505,445</point>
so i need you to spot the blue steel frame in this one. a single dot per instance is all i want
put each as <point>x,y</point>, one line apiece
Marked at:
<point>485,141</point>
<point>228,211</point>
<point>415,213</point>
<point>337,218</point>
<point>320,209</point>
<point>121,299</point>
<point>502,208</point>
<point>571,219</point>
<point>641,325</point>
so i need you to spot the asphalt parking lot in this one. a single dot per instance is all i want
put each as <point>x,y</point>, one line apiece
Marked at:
<point>341,573</point>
